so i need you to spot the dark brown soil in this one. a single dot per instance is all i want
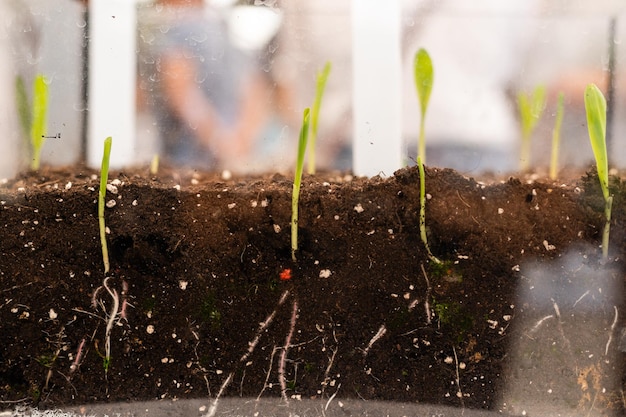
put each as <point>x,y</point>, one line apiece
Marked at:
<point>208,308</point>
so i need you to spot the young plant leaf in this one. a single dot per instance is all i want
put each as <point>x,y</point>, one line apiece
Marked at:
<point>424,78</point>
<point>38,126</point>
<point>595,107</point>
<point>322,77</point>
<point>295,197</point>
<point>530,112</point>
<point>104,176</point>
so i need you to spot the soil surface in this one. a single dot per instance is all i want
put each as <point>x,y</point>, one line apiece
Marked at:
<point>210,302</point>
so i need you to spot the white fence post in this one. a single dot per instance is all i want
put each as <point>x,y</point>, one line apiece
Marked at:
<point>377,80</point>
<point>112,73</point>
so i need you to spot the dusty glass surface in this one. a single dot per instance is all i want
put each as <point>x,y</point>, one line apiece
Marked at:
<point>223,86</point>
<point>483,54</point>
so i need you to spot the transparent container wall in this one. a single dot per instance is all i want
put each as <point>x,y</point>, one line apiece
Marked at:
<point>255,68</point>
<point>485,52</point>
<point>41,37</point>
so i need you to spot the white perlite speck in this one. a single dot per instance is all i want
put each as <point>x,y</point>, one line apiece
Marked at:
<point>325,273</point>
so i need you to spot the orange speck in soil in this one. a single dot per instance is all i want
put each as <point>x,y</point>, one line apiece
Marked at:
<point>285,274</point>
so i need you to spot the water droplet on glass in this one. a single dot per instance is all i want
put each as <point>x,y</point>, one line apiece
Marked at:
<point>217,56</point>
<point>200,78</point>
<point>81,23</point>
<point>200,37</point>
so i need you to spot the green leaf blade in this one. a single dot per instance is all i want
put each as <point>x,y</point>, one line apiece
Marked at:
<point>322,78</point>
<point>40,109</point>
<point>595,107</point>
<point>424,78</point>
<point>295,197</point>
<point>104,177</point>
<point>39,114</point>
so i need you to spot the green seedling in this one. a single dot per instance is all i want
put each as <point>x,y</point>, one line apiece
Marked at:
<point>420,166</point>
<point>295,197</point>
<point>322,77</point>
<point>530,110</point>
<point>423,72</point>
<point>38,127</point>
<point>556,138</point>
<point>595,106</point>
<point>33,120</point>
<point>104,176</point>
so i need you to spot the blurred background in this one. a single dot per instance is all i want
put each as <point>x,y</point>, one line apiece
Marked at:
<point>221,84</point>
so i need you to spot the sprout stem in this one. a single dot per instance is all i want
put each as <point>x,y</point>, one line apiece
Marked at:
<point>595,107</point>
<point>295,198</point>
<point>38,126</point>
<point>420,166</point>
<point>104,175</point>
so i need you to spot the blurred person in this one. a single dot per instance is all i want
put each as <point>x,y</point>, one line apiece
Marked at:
<point>208,98</point>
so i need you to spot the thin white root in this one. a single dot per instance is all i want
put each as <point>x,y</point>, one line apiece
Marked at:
<point>328,368</point>
<point>332,397</point>
<point>269,372</point>
<point>213,407</point>
<point>459,393</point>
<point>540,322</point>
<point>379,334</point>
<point>251,346</point>
<point>608,343</point>
<point>111,318</point>
<point>283,355</point>
<point>580,298</point>
<point>79,356</point>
